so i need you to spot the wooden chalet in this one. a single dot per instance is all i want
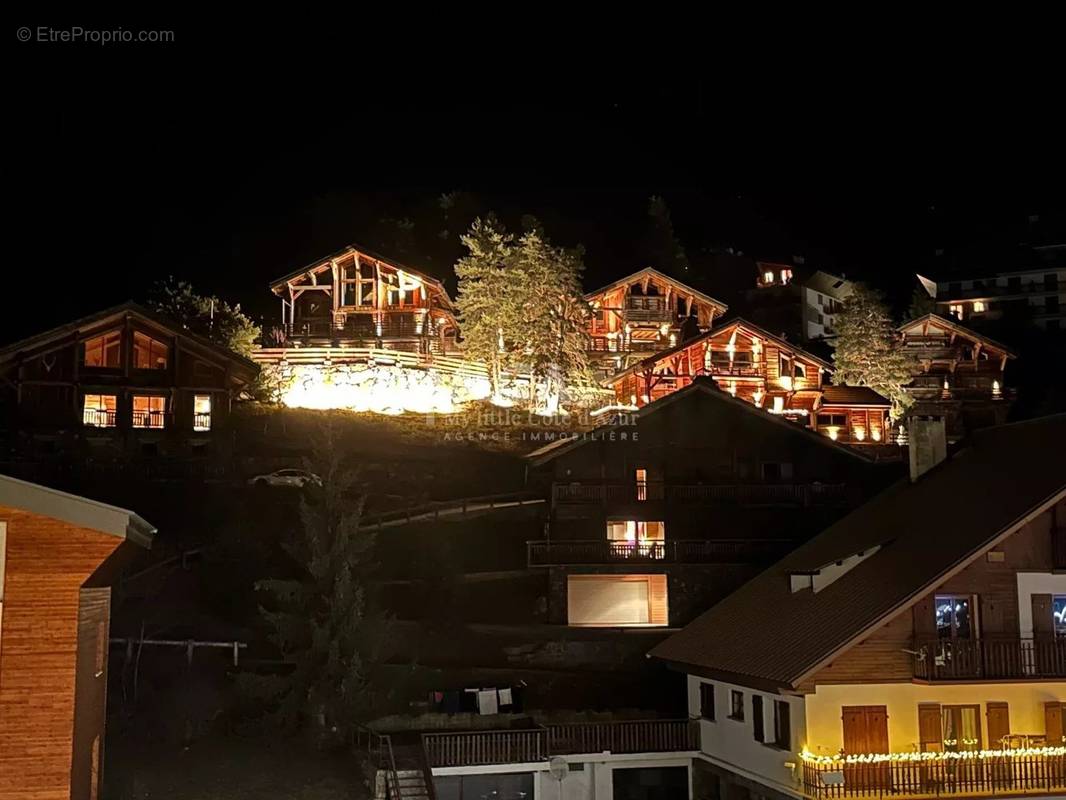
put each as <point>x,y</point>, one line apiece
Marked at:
<point>914,649</point>
<point>355,297</point>
<point>753,365</point>
<point>57,554</point>
<point>124,376</point>
<point>961,374</point>
<point>644,313</point>
<point>657,514</point>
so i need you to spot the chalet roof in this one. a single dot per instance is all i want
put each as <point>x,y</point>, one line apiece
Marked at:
<point>102,317</point>
<point>961,330</point>
<point>356,248</point>
<point>827,283</point>
<point>700,387</point>
<point>134,309</point>
<point>766,635</point>
<point>654,273</point>
<point>715,331</point>
<point>852,396</point>
<point>76,510</point>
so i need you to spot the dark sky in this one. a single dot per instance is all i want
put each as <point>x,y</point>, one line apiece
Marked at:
<point>229,160</point>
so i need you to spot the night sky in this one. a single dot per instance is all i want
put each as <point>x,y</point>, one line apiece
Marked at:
<point>229,163</point>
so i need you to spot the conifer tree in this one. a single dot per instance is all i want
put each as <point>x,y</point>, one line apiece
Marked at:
<point>868,351</point>
<point>661,244</point>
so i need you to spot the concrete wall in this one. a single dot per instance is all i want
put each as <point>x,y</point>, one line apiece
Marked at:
<point>825,734</point>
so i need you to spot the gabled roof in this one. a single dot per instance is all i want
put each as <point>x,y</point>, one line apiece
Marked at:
<point>700,386</point>
<point>76,510</point>
<point>363,251</point>
<point>654,273</point>
<point>711,333</point>
<point>117,312</point>
<point>827,283</point>
<point>766,635</point>
<point>852,396</point>
<point>961,330</point>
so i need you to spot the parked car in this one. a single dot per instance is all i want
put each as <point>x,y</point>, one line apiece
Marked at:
<point>293,478</point>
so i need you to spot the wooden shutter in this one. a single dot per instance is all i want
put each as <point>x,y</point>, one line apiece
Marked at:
<point>998,715</point>
<point>1053,724</point>
<point>877,728</point>
<point>930,728</point>
<point>658,610</point>
<point>925,618</point>
<point>1043,621</point>
<point>854,723</point>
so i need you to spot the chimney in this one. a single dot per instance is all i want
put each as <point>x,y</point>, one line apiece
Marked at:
<point>928,444</point>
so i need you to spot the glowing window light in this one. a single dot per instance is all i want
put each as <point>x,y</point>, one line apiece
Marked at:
<point>779,404</point>
<point>979,307</point>
<point>664,329</point>
<point>875,435</point>
<point>833,432</point>
<point>768,277</point>
<point>673,339</point>
<point>997,390</point>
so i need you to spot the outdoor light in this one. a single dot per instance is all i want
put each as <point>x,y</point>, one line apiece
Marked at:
<point>876,435</point>
<point>996,389</point>
<point>833,432</point>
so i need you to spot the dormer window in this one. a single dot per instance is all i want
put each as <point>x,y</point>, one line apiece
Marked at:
<point>104,351</point>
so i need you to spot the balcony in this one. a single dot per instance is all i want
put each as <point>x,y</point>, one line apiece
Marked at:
<point>995,773</point>
<point>539,744</point>
<point>647,309</point>
<point>989,659</point>
<point>756,494</point>
<point>670,551</point>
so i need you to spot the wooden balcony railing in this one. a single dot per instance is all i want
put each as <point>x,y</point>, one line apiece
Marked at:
<point>701,494</point>
<point>670,551</point>
<point>99,418</point>
<point>539,744</point>
<point>1038,771</point>
<point>149,419</point>
<point>647,309</point>
<point>989,659</point>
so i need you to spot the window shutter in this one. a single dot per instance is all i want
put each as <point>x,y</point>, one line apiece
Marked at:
<point>930,732</point>
<point>998,715</point>
<point>1043,621</point>
<point>1053,724</point>
<point>758,720</point>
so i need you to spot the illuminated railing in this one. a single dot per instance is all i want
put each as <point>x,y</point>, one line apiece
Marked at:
<point>1027,771</point>
<point>670,551</point>
<point>647,309</point>
<point>201,422</point>
<point>98,418</point>
<point>989,658</point>
<point>741,494</point>
<point>148,419</point>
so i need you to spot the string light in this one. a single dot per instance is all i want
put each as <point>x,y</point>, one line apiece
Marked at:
<point>945,755</point>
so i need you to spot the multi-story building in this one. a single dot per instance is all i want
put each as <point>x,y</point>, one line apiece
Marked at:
<point>124,378</point>
<point>644,313</point>
<point>915,648</point>
<point>1038,294</point>
<point>799,302</point>
<point>960,374</point>
<point>660,513</point>
<point>752,364</point>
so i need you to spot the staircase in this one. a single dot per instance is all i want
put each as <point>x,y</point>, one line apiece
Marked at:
<point>404,784</point>
<point>400,772</point>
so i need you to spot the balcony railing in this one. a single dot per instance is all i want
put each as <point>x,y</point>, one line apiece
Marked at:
<point>201,422</point>
<point>1039,771</point>
<point>539,744</point>
<point>148,419</point>
<point>670,551</point>
<point>99,418</point>
<point>647,309</point>
<point>989,659</point>
<point>701,494</point>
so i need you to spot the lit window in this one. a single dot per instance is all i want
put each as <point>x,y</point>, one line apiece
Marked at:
<point>779,404</point>
<point>201,412</point>
<point>149,353</point>
<point>956,310</point>
<point>786,275</point>
<point>148,411</point>
<point>642,484</point>
<point>768,277</point>
<point>617,600</point>
<point>953,616</point>
<point>99,410</point>
<point>103,351</point>
<point>1058,612</point>
<point>979,307</point>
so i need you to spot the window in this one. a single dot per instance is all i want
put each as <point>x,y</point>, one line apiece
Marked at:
<point>953,617</point>
<point>799,371</point>
<point>782,365</point>
<point>103,351</point>
<point>99,410</point>
<point>1058,613</point>
<point>642,484</point>
<point>961,726</point>
<point>955,309</point>
<point>707,701</point>
<point>201,412</point>
<point>636,538</point>
<point>617,600</point>
<point>979,307</point>
<point>838,420</point>
<point>149,353</point>
<point>782,725</point>
<point>776,471</point>
<point>736,705</point>
<point>758,724</point>
<point>148,411</point>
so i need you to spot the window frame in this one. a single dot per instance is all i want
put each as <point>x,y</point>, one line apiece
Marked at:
<point>736,698</point>
<point>707,691</point>
<point>758,719</point>
<point>153,344</point>
<point>114,337</point>
<point>110,416</point>
<point>199,425</point>
<point>971,616</point>
<point>151,412</point>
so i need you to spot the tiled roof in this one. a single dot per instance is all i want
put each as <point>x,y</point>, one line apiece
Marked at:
<point>852,396</point>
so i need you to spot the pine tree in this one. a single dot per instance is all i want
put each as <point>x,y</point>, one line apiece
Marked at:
<point>868,350</point>
<point>490,298</point>
<point>320,618</point>
<point>661,246</point>
<point>921,303</point>
<point>204,315</point>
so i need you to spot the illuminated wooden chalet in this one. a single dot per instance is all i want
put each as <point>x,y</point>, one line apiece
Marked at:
<point>644,313</point>
<point>354,297</point>
<point>754,365</point>
<point>960,374</point>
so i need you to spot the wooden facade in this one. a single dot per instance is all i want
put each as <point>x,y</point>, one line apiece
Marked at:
<point>766,371</point>
<point>360,299</point>
<point>53,642</point>
<point>645,313</point>
<point>125,377</point>
<point>959,374</point>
